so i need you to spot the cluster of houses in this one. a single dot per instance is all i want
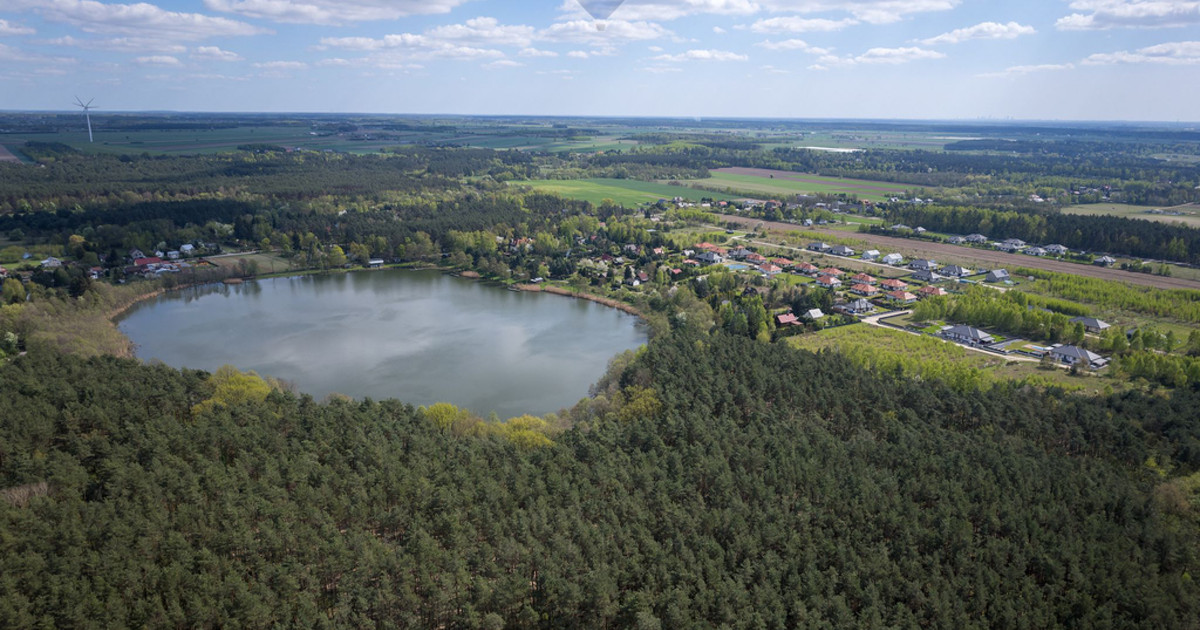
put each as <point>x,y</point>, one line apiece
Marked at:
<point>1065,354</point>
<point>172,261</point>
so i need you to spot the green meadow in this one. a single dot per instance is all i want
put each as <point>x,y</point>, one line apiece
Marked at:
<point>627,192</point>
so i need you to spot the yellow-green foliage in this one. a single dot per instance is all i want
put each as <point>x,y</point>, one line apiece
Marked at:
<point>1181,304</point>
<point>893,351</point>
<point>444,415</point>
<point>524,431</point>
<point>640,402</point>
<point>232,387</point>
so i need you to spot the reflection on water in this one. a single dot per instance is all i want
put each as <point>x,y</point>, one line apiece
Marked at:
<point>419,336</point>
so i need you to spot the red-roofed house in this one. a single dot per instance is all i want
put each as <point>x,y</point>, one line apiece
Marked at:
<point>863,278</point>
<point>865,290</point>
<point>829,282</point>
<point>902,297</point>
<point>807,268</point>
<point>832,271</point>
<point>931,291</point>
<point>756,259</point>
<point>783,262</point>
<point>893,284</point>
<point>144,262</point>
<point>787,319</point>
<point>769,269</point>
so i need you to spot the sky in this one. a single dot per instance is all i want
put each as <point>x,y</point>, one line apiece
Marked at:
<point>1136,60</point>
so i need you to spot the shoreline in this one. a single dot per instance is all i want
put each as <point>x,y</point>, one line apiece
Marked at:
<point>599,299</point>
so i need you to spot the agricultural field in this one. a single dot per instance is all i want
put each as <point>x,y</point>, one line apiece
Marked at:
<point>7,156</point>
<point>1188,214</point>
<point>782,183</point>
<point>623,191</point>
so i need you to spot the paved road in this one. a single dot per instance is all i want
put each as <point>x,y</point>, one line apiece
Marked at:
<point>874,320</point>
<point>990,258</point>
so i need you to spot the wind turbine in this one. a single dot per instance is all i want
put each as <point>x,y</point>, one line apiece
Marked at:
<point>86,112</point>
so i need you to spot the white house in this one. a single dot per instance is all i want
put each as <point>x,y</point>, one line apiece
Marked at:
<point>892,259</point>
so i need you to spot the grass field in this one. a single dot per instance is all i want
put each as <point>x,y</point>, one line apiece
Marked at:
<point>781,183</point>
<point>1189,215</point>
<point>627,192</point>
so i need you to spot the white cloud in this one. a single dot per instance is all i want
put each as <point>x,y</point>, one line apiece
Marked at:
<point>1173,54</point>
<point>12,28</point>
<point>136,20</point>
<point>661,69</point>
<point>578,54</point>
<point>1108,14</point>
<point>794,44</point>
<point>985,30</point>
<point>281,65</point>
<point>9,53</point>
<point>483,31</point>
<point>703,55</point>
<point>585,32</point>
<point>502,63</point>
<point>534,52</point>
<point>157,60</point>
<point>872,11</point>
<point>879,56</point>
<point>121,44</point>
<point>213,53</point>
<point>795,24</point>
<point>1012,71</point>
<point>774,70</point>
<point>718,30</point>
<point>331,11</point>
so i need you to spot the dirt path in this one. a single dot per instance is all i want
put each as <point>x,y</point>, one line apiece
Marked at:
<point>875,320</point>
<point>989,258</point>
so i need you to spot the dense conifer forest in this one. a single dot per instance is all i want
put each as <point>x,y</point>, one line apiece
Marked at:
<point>713,482</point>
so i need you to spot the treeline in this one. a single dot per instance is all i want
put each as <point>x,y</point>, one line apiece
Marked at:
<point>1115,235</point>
<point>1180,304</point>
<point>1011,312</point>
<point>713,482</point>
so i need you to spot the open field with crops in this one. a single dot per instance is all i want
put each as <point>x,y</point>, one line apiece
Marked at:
<point>623,191</point>
<point>782,183</point>
<point>1187,214</point>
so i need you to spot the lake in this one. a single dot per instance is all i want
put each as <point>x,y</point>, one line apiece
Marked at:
<point>419,336</point>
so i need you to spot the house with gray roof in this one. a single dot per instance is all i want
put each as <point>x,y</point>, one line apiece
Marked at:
<point>968,335</point>
<point>1074,355</point>
<point>1091,324</point>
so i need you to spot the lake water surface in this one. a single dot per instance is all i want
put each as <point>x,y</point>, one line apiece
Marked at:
<point>419,336</point>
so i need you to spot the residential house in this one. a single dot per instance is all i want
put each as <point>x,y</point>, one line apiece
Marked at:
<point>892,259</point>
<point>135,254</point>
<point>1057,250</point>
<point>957,240</point>
<point>1105,261</point>
<point>3,273</point>
<point>755,259</point>
<point>997,275</point>
<point>864,290</point>
<point>813,314</point>
<point>783,262</point>
<point>892,284</point>
<point>956,271</point>
<point>841,250</point>
<point>1074,355</point>
<point>807,268</point>
<point>931,291</point>
<point>770,269</point>
<point>829,282</point>
<point>899,227</point>
<point>901,297</point>
<point>920,230</point>
<point>976,239</point>
<point>832,271</point>
<point>819,247</point>
<point>927,276</point>
<point>375,263</point>
<point>1091,324</point>
<point>739,253</point>
<point>187,249</point>
<point>1035,251</point>
<point>51,263</point>
<point>709,258</point>
<point>859,306</point>
<point>1011,245</point>
<point>174,254</point>
<point>787,319</point>
<point>968,335</point>
<point>870,254</point>
<point>923,265</point>
<point>863,278</point>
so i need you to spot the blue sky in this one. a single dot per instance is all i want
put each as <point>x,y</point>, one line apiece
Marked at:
<point>916,59</point>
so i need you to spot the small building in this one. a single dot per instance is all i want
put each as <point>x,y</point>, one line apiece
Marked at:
<point>1074,355</point>
<point>1091,324</point>
<point>187,249</point>
<point>1105,261</point>
<point>956,271</point>
<point>976,239</point>
<point>1011,245</point>
<point>927,276</point>
<point>864,278</point>
<point>859,306</point>
<point>901,297</point>
<point>136,253</point>
<point>832,271</point>
<point>968,335</point>
<point>813,314</point>
<point>770,269</point>
<point>841,250</point>
<point>787,319</point>
<point>893,259</point>
<point>1035,251</point>
<point>819,247</point>
<point>931,291</point>
<point>957,240</point>
<point>807,268</point>
<point>375,263</point>
<point>739,253</point>
<point>709,257</point>
<point>755,259</point>
<point>829,282</point>
<point>894,284</point>
<point>174,254</point>
<point>864,290</point>
<point>870,254</point>
<point>51,263</point>
<point>923,265</point>
<point>1057,250</point>
<point>997,275</point>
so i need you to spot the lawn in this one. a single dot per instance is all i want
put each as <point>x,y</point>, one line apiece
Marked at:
<point>627,192</point>
<point>761,181</point>
<point>1189,215</point>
